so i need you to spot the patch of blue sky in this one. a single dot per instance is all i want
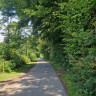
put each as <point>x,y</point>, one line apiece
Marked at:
<point>13,19</point>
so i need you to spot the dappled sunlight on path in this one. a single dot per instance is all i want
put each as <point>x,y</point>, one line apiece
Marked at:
<point>40,81</point>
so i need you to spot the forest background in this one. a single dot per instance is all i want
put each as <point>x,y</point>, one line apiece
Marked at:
<point>64,31</point>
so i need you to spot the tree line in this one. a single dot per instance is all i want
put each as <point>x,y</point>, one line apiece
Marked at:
<point>66,32</point>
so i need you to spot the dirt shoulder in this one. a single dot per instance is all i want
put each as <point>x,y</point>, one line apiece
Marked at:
<point>13,80</point>
<point>62,81</point>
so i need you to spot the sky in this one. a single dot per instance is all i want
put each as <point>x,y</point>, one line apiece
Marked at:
<point>2,37</point>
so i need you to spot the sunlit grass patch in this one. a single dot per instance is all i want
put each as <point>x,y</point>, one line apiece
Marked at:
<point>57,66</point>
<point>9,75</point>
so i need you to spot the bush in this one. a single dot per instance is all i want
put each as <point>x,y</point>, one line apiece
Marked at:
<point>1,65</point>
<point>32,56</point>
<point>83,74</point>
<point>9,65</point>
<point>18,60</point>
<point>25,58</point>
<point>7,54</point>
<point>37,54</point>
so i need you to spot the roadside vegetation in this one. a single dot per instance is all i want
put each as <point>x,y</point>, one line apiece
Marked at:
<point>17,72</point>
<point>66,78</point>
<point>14,61</point>
<point>64,31</point>
<point>17,52</point>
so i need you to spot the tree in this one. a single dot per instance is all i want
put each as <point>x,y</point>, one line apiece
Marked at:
<point>66,32</point>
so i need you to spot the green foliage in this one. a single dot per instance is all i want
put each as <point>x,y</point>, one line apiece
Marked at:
<point>57,54</point>
<point>67,78</point>
<point>44,48</point>
<point>16,72</point>
<point>32,56</point>
<point>1,65</point>
<point>6,53</point>
<point>9,66</point>
<point>25,59</point>
<point>1,45</point>
<point>84,76</point>
<point>74,21</point>
<point>67,33</point>
<point>18,60</point>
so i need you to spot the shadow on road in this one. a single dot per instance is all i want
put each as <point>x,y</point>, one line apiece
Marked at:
<point>40,81</point>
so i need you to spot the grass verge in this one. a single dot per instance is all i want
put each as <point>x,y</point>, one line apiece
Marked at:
<point>66,78</point>
<point>7,75</point>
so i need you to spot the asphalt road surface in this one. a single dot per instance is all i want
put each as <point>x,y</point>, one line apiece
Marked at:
<point>41,80</point>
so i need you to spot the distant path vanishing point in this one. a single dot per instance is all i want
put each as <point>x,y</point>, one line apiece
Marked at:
<point>41,80</point>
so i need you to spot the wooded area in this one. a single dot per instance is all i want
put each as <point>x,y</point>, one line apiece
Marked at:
<point>64,31</point>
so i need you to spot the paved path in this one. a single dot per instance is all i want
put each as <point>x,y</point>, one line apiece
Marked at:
<point>40,81</point>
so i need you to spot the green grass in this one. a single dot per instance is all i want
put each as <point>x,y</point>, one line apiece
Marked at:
<point>15,73</point>
<point>67,79</point>
<point>57,66</point>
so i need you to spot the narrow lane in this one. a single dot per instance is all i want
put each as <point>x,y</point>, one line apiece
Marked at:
<point>42,80</point>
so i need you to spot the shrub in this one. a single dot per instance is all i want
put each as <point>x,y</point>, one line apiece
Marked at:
<point>9,65</point>
<point>37,54</point>
<point>83,74</point>
<point>33,56</point>
<point>1,65</point>
<point>25,58</point>
<point>18,60</point>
